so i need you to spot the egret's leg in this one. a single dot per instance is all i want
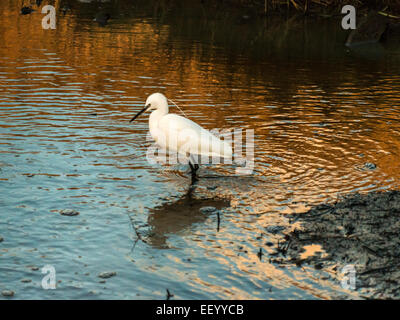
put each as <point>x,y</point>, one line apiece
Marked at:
<point>194,178</point>
<point>193,167</point>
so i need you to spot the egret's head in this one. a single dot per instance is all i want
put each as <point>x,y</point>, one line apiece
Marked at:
<point>155,101</point>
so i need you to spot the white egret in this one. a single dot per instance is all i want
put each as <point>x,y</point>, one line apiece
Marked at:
<point>178,134</point>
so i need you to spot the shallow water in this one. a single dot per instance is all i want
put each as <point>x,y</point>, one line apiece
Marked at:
<point>320,112</point>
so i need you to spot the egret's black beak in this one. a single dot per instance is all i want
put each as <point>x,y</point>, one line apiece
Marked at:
<point>140,112</point>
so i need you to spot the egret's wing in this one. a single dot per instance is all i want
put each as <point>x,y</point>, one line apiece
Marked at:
<point>185,136</point>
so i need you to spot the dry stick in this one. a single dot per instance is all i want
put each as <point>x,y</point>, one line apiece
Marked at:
<point>169,295</point>
<point>388,15</point>
<point>371,251</point>
<point>368,248</point>
<point>138,235</point>
<point>260,254</point>
<point>295,4</point>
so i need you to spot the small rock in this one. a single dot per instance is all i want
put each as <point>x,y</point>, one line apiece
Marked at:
<point>7,293</point>
<point>274,229</point>
<point>1,239</point>
<point>370,166</point>
<point>26,280</point>
<point>26,10</point>
<point>107,274</point>
<point>69,212</point>
<point>208,209</point>
<point>35,268</point>
<point>369,29</point>
<point>319,266</point>
<point>102,18</point>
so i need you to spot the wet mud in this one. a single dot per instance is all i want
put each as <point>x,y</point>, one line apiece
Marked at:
<point>359,230</point>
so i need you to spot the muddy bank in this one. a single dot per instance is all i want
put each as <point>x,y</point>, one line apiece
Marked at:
<point>301,6</point>
<point>374,27</point>
<point>360,230</point>
<point>307,7</point>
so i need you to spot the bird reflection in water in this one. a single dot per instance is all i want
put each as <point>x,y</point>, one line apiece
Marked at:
<point>180,217</point>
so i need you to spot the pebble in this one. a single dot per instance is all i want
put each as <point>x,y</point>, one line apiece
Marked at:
<point>208,209</point>
<point>370,166</point>
<point>107,274</point>
<point>319,265</point>
<point>69,212</point>
<point>102,18</point>
<point>7,293</point>
<point>26,10</point>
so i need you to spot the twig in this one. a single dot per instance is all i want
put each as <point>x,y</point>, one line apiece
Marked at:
<point>388,15</point>
<point>169,295</point>
<point>138,235</point>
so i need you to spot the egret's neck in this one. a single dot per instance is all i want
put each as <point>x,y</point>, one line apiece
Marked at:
<point>156,115</point>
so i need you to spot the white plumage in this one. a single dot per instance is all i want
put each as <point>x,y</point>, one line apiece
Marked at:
<point>175,133</point>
